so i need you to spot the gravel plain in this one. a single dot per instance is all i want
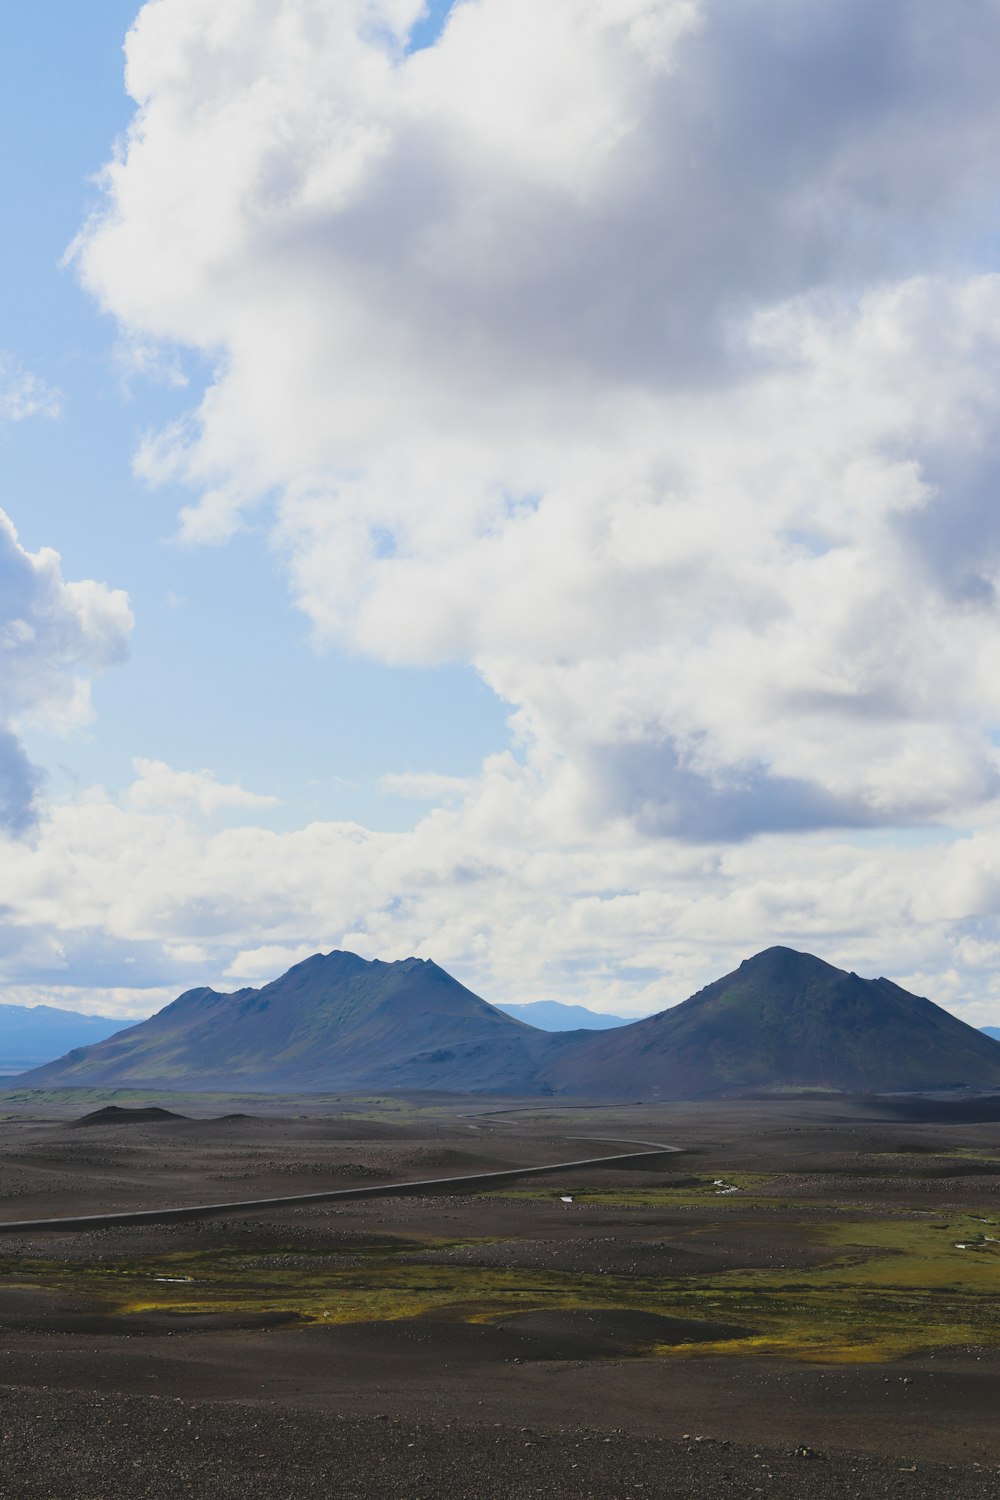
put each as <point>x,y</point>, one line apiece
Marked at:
<point>95,1405</point>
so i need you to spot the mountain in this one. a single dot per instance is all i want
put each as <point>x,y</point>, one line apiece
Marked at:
<point>993,1031</point>
<point>334,1021</point>
<point>782,1020</point>
<point>553,1015</point>
<point>32,1034</point>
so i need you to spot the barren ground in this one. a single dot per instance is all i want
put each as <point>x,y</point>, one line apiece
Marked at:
<point>812,1275</point>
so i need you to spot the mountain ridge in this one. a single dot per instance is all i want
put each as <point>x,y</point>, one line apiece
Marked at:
<point>333,1020</point>
<point>781,1020</point>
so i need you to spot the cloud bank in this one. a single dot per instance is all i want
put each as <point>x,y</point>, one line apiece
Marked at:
<point>644,354</point>
<point>127,902</point>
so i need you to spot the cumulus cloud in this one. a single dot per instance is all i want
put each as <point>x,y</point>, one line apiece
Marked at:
<point>636,352</point>
<point>644,354</point>
<point>52,632</point>
<point>260,965</point>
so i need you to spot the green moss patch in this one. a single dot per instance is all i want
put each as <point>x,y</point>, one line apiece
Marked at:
<point>892,1286</point>
<point>733,1193</point>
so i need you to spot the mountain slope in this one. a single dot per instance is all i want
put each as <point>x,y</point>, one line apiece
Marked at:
<point>783,1020</point>
<point>553,1015</point>
<point>32,1034</point>
<point>334,1021</point>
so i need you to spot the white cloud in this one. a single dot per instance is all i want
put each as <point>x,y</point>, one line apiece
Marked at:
<point>51,633</point>
<point>114,900</point>
<point>24,395</point>
<point>160,788</point>
<point>259,965</point>
<point>645,354</point>
<point>633,351</point>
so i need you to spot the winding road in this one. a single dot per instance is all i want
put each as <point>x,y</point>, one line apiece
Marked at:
<point>343,1195</point>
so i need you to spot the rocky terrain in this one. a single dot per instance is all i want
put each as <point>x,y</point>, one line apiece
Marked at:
<point>801,1302</point>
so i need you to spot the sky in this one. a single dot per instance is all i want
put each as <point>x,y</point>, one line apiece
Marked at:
<point>507,482</point>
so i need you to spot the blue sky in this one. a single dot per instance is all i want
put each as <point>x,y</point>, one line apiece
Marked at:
<point>211,642</point>
<point>523,478</point>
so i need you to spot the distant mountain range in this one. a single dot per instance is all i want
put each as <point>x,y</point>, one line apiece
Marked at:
<point>34,1034</point>
<point>553,1015</point>
<point>993,1031</point>
<point>781,1021</point>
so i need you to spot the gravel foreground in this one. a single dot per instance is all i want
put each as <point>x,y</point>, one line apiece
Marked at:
<point>57,1445</point>
<point>102,1401</point>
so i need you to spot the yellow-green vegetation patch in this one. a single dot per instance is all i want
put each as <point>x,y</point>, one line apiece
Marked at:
<point>898,1286</point>
<point>321,1287</point>
<point>891,1286</point>
<point>736,1191</point>
<point>971,1154</point>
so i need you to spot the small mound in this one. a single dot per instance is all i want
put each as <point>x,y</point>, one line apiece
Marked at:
<point>115,1114</point>
<point>577,1333</point>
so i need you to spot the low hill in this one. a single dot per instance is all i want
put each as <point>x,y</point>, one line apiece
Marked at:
<point>116,1114</point>
<point>553,1015</point>
<point>334,1021</point>
<point>783,1020</point>
<point>33,1034</point>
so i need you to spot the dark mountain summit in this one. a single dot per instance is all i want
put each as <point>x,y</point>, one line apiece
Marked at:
<point>334,1021</point>
<point>784,1020</point>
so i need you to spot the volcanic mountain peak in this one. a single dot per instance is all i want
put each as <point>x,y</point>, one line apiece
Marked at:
<point>778,962</point>
<point>327,984</point>
<point>785,1019</point>
<point>334,1020</point>
<point>779,984</point>
<point>789,971</point>
<point>340,967</point>
<point>341,964</point>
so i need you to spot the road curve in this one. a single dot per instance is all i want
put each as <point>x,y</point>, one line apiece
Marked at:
<point>344,1195</point>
